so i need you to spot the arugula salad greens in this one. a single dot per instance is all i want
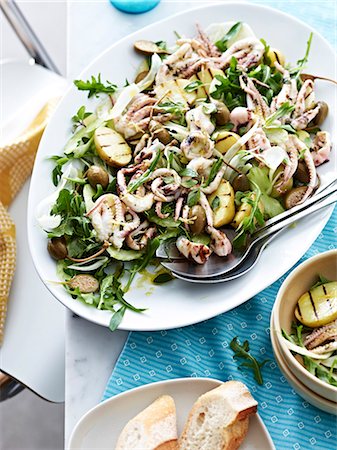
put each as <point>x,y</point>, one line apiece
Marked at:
<point>216,130</point>
<point>241,351</point>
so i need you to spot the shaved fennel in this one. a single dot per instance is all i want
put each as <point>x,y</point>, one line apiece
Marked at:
<point>304,352</point>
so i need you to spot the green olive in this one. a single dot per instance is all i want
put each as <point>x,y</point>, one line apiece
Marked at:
<point>86,283</point>
<point>163,135</point>
<point>241,183</point>
<point>302,173</point>
<point>141,76</point>
<point>97,175</point>
<point>294,196</point>
<point>322,114</point>
<point>159,132</point>
<point>222,115</point>
<point>198,213</point>
<point>57,248</point>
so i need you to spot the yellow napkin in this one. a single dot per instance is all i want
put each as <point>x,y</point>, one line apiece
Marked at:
<point>16,163</point>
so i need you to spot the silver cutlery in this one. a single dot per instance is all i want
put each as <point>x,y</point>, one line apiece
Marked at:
<point>242,269</point>
<point>26,34</point>
<point>217,267</point>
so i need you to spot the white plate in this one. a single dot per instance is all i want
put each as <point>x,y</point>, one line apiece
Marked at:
<point>101,426</point>
<point>302,390</point>
<point>180,303</point>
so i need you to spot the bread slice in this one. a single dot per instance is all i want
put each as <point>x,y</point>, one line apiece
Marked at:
<point>219,419</point>
<point>155,428</point>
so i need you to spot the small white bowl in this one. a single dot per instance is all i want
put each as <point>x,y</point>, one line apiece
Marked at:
<point>296,284</point>
<point>302,390</point>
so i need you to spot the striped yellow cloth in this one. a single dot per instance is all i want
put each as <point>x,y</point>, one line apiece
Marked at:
<point>16,163</point>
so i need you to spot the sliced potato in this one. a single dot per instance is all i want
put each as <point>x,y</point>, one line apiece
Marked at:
<point>201,91</point>
<point>205,76</point>
<point>174,90</point>
<point>190,97</point>
<point>318,306</point>
<point>243,211</point>
<point>224,140</point>
<point>224,211</point>
<point>112,147</point>
<point>276,55</point>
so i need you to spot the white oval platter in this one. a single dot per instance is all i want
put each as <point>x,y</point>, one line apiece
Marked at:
<point>179,303</point>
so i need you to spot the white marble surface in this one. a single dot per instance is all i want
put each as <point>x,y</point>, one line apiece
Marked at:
<point>91,351</point>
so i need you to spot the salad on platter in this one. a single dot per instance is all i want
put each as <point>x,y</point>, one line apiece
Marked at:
<point>215,130</point>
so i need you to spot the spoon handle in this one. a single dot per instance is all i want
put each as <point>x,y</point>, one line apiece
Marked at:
<point>329,200</point>
<point>26,34</point>
<point>324,193</point>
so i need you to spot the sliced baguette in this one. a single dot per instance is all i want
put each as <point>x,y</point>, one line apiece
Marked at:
<point>155,428</point>
<point>219,419</point>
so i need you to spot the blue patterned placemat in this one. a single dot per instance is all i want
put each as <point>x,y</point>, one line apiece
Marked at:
<point>202,350</point>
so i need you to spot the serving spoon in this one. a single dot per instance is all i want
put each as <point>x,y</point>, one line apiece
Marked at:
<point>219,266</point>
<point>242,269</point>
